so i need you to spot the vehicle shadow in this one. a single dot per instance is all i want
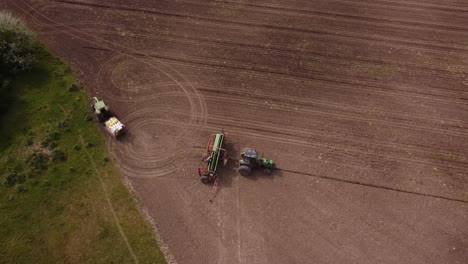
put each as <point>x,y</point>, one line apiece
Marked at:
<point>259,175</point>
<point>127,137</point>
<point>228,171</point>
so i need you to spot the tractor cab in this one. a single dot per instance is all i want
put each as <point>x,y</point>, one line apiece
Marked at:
<point>101,110</point>
<point>249,154</point>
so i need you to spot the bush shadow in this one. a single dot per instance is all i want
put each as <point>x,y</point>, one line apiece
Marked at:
<point>13,110</point>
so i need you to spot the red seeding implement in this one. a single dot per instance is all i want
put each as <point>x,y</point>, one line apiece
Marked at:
<point>214,154</point>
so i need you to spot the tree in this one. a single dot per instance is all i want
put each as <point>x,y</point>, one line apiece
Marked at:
<point>18,46</point>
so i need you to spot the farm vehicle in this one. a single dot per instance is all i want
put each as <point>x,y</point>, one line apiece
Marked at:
<point>252,159</point>
<point>104,115</point>
<point>214,155</point>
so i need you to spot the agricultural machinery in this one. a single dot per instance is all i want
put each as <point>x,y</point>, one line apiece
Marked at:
<point>104,115</point>
<point>101,110</point>
<point>214,155</point>
<point>251,159</point>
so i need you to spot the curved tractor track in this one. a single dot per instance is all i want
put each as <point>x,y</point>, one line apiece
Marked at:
<point>362,104</point>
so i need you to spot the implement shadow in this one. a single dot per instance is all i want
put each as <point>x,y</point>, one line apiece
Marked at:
<point>228,171</point>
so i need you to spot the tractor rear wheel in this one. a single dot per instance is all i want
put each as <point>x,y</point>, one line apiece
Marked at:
<point>205,179</point>
<point>245,170</point>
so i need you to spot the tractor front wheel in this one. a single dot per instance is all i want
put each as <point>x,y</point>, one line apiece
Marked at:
<point>245,170</point>
<point>267,171</point>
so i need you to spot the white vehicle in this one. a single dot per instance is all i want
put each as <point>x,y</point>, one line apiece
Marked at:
<point>114,126</point>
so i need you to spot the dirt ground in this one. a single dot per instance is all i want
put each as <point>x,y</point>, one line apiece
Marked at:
<point>363,105</point>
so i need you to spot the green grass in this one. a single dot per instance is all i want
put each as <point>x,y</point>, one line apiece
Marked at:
<point>55,206</point>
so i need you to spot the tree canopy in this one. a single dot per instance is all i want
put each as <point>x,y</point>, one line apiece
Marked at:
<point>18,46</point>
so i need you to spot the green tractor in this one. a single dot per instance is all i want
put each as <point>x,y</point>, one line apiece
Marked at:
<point>251,159</point>
<point>101,110</point>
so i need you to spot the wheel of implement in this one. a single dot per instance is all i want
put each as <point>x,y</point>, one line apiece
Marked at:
<point>205,179</point>
<point>244,170</point>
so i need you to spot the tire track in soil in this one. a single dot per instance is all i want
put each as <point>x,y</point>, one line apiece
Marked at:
<point>333,58</point>
<point>164,156</point>
<point>341,116</point>
<point>342,83</point>
<point>161,160</point>
<point>238,222</point>
<point>114,68</point>
<point>335,34</point>
<point>298,101</point>
<point>415,5</point>
<point>291,54</point>
<point>447,93</point>
<point>337,16</point>
<point>426,88</point>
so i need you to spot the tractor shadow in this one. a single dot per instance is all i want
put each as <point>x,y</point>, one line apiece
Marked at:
<point>259,175</point>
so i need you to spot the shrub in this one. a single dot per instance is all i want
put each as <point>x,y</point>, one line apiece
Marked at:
<point>54,135</point>
<point>21,188</point>
<point>38,161</point>
<point>29,141</point>
<point>46,142</point>
<point>58,155</point>
<point>18,46</point>
<point>53,145</point>
<point>73,88</point>
<point>13,178</point>
<point>49,141</point>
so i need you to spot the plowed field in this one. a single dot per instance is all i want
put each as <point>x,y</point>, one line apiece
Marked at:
<point>363,105</point>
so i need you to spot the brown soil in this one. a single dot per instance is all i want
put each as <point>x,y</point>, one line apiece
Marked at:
<point>362,104</point>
